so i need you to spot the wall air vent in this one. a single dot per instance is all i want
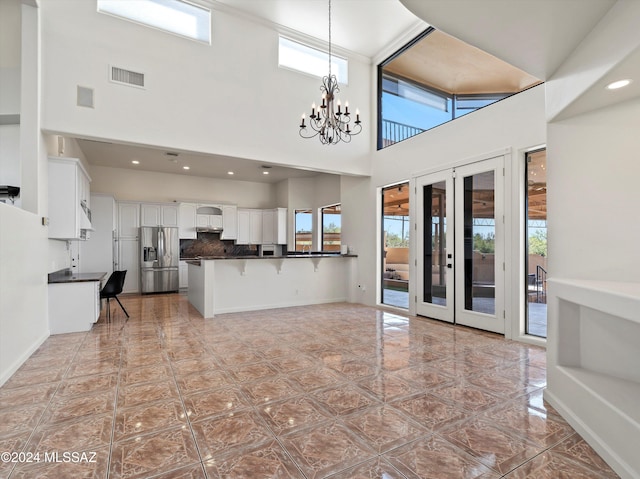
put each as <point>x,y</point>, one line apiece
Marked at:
<point>127,77</point>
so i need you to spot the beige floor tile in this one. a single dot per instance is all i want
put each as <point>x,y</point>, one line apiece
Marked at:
<point>146,456</point>
<point>333,390</point>
<point>326,449</point>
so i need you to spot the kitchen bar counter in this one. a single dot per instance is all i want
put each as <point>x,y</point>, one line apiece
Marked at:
<point>232,284</point>
<point>196,261</point>
<point>66,276</point>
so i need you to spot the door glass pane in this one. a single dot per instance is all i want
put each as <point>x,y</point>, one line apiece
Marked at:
<point>536,258</point>
<point>435,264</point>
<point>395,254</point>
<point>479,243</point>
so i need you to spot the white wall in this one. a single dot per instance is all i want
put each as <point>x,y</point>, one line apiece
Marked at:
<point>594,230</point>
<point>24,322</point>
<point>517,123</point>
<point>229,98</point>
<point>139,185</point>
<point>10,33</point>
<point>594,235</point>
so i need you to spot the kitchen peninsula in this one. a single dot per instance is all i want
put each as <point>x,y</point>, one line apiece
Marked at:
<point>232,284</point>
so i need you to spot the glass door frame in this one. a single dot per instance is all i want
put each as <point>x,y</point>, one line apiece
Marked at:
<point>407,184</point>
<point>428,308</point>
<point>489,322</point>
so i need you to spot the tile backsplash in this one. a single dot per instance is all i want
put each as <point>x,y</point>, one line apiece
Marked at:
<point>210,244</point>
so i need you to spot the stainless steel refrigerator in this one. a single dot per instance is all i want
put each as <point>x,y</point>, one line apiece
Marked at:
<point>159,256</point>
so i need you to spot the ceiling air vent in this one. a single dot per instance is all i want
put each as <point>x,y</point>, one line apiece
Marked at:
<point>127,77</point>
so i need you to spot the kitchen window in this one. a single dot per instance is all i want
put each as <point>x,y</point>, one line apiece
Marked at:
<point>331,226</point>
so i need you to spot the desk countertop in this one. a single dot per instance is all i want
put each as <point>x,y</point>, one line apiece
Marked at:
<point>66,276</point>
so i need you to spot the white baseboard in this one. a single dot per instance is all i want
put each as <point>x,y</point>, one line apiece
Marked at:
<point>284,304</point>
<point>6,375</point>
<point>621,467</point>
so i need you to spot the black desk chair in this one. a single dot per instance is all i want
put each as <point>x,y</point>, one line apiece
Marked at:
<point>112,289</point>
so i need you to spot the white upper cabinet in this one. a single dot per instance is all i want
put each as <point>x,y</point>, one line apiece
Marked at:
<point>170,215</point>
<point>150,215</point>
<point>68,199</point>
<point>268,227</point>
<point>128,220</point>
<point>153,214</point>
<point>274,226</point>
<point>262,226</point>
<point>255,226</point>
<point>229,222</point>
<point>187,222</point>
<point>244,225</point>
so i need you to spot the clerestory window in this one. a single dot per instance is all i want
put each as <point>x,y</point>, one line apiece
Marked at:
<point>303,58</point>
<point>174,16</point>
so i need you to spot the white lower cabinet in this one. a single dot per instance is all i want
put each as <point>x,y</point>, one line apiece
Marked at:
<point>73,307</point>
<point>183,271</point>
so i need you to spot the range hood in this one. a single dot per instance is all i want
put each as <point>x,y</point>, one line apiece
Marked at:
<point>209,229</point>
<point>208,219</point>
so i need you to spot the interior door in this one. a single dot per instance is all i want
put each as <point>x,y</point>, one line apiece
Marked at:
<point>460,246</point>
<point>435,246</point>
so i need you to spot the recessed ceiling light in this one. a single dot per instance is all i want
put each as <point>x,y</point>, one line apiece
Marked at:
<point>230,173</point>
<point>618,84</point>
<point>185,167</point>
<point>135,162</point>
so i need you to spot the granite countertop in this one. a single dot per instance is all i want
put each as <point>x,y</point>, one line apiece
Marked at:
<point>67,276</point>
<point>196,261</point>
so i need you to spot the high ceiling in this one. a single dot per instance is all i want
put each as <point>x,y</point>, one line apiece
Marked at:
<point>533,35</point>
<point>453,66</point>
<point>364,27</point>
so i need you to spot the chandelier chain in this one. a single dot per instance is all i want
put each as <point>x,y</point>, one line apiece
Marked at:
<point>329,38</point>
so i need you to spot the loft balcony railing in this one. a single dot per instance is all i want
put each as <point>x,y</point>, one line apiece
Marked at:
<point>393,132</point>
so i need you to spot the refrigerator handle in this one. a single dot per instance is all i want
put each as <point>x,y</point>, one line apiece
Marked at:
<point>160,255</point>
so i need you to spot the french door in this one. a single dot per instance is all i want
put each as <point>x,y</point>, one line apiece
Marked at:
<point>460,245</point>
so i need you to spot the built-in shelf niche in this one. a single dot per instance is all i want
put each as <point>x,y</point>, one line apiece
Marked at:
<point>592,365</point>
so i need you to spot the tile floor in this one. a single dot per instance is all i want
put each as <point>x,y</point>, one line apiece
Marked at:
<point>336,391</point>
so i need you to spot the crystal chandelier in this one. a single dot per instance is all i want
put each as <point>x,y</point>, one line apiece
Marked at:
<point>328,121</point>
